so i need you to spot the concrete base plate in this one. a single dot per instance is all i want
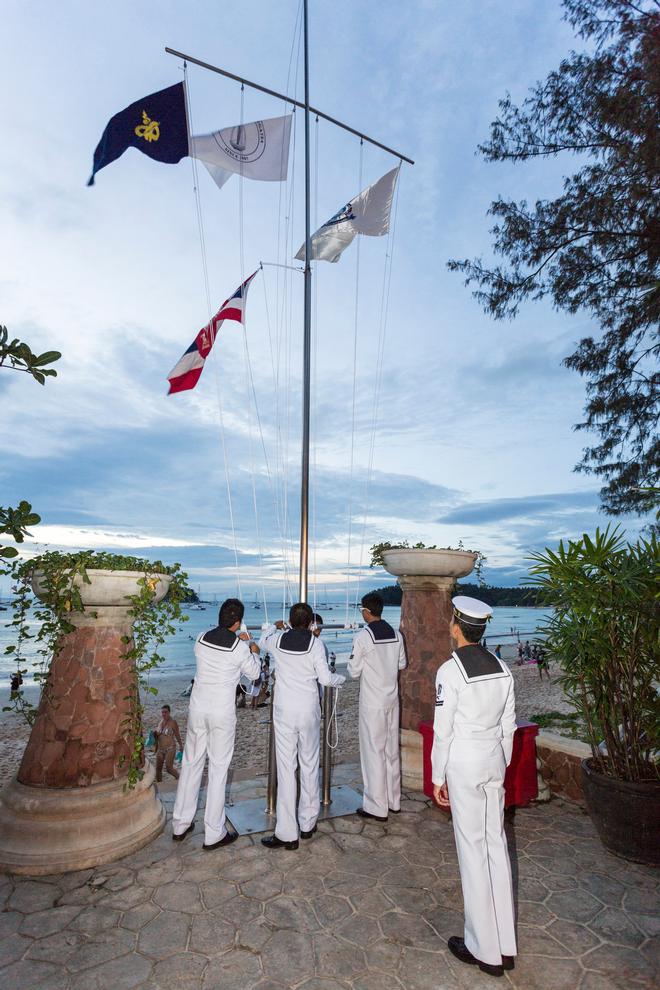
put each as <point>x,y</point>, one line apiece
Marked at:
<point>249,817</point>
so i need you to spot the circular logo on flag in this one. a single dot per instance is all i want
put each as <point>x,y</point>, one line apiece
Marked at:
<point>245,143</point>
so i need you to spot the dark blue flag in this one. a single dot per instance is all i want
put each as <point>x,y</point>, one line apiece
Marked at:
<point>156,125</point>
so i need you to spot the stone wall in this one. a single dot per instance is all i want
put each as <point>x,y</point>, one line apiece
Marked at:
<point>559,764</point>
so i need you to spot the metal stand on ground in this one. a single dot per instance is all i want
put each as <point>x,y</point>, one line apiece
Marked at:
<point>252,816</point>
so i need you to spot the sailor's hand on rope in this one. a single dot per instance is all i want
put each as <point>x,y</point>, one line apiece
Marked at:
<point>245,636</point>
<point>281,624</point>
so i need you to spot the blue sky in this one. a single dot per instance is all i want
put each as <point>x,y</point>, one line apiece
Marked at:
<point>474,437</point>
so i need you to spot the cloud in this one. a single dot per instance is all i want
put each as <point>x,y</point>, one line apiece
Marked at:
<point>525,507</point>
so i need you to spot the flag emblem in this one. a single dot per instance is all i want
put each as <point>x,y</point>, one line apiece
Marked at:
<point>148,129</point>
<point>186,372</point>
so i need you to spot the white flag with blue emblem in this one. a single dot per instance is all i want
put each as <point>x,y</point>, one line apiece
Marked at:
<point>259,150</point>
<point>368,213</point>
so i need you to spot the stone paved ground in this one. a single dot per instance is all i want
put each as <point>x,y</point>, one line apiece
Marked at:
<point>361,906</point>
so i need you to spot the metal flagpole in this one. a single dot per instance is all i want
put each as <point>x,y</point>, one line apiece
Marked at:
<point>307,339</point>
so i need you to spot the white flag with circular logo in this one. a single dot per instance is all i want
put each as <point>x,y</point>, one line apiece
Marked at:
<point>259,150</point>
<point>367,213</point>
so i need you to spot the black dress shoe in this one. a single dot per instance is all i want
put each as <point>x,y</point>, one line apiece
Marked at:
<point>394,811</point>
<point>508,962</point>
<point>226,840</point>
<point>181,836</point>
<point>458,948</point>
<point>272,842</point>
<point>367,814</point>
<point>307,835</point>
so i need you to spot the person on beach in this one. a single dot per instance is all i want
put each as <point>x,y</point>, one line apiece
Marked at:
<point>300,665</point>
<point>497,651</point>
<point>377,656</point>
<point>542,662</point>
<point>474,724</point>
<point>223,654</point>
<point>167,738</point>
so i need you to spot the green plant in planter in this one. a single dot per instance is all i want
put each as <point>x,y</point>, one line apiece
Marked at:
<point>378,550</point>
<point>604,632</point>
<point>153,621</point>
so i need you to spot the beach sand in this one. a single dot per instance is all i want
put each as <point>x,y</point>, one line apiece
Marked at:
<point>532,696</point>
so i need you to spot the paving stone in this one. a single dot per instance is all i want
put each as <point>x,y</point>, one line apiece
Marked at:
<point>322,983</point>
<point>287,956</point>
<point>638,901</point>
<point>83,896</point>
<point>347,825</point>
<point>120,880</point>
<point>619,963</point>
<point>536,941</point>
<point>409,876</point>
<point>409,898</point>
<point>138,917</point>
<point>349,842</point>
<point>43,923</point>
<point>577,939</point>
<point>243,870</point>
<point>596,981</point>
<point>239,910</point>
<point>263,888</point>
<point>13,949</point>
<point>383,956</point>
<point>235,970</point>
<point>216,891</point>
<point>181,972</point>
<point>72,881</point>
<point>410,929</point>
<point>179,896</point>
<point>129,898</point>
<point>606,889</point>
<point>578,905</point>
<point>426,971</point>
<point>293,913</point>
<point>613,925</point>
<point>532,913</point>
<point>649,923</point>
<point>56,948</point>
<point>160,873</point>
<point>124,973</point>
<point>100,948</point>
<point>254,936</point>
<point>210,934</point>
<point>361,931</point>
<point>300,884</point>
<point>30,896</point>
<point>372,902</point>
<point>329,909</point>
<point>373,981</point>
<point>345,884</point>
<point>445,922</point>
<point>337,958</point>
<point>165,935</point>
<point>95,919</point>
<point>651,952</point>
<point>11,921</point>
<point>534,972</point>
<point>31,975</point>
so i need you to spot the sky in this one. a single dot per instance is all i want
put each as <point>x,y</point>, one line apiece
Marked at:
<point>464,430</point>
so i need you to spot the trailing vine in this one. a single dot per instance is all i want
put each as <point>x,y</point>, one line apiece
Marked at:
<point>378,550</point>
<point>61,575</point>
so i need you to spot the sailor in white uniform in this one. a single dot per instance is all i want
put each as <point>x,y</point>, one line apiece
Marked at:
<point>377,656</point>
<point>473,739</point>
<point>300,666</point>
<point>222,655</point>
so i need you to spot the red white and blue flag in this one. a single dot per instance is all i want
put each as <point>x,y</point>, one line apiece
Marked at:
<point>185,374</point>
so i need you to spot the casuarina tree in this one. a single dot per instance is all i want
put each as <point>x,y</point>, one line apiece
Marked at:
<point>596,247</point>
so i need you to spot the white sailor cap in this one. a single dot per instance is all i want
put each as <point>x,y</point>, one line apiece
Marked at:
<point>471,610</point>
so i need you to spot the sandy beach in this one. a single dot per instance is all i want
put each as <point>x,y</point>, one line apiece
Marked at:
<point>532,697</point>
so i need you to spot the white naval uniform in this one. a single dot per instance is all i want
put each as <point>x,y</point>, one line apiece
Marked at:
<point>474,724</point>
<point>300,665</point>
<point>377,657</point>
<point>221,660</point>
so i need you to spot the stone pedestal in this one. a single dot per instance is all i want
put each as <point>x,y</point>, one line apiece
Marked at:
<point>427,578</point>
<point>69,807</point>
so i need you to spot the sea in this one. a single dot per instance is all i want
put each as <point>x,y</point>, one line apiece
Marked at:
<point>507,625</point>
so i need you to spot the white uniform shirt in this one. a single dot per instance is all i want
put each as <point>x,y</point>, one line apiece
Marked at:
<point>475,713</point>
<point>299,663</point>
<point>221,659</point>
<point>377,657</point>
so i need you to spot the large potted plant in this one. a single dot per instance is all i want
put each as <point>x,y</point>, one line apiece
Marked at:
<point>604,631</point>
<point>84,794</point>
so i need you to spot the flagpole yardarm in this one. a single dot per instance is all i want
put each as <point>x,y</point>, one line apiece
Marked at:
<point>291,100</point>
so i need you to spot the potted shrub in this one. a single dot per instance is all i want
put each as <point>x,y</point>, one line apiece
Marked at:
<point>604,632</point>
<point>401,559</point>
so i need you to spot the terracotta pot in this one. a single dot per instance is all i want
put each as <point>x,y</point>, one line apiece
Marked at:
<point>435,563</point>
<point>626,815</point>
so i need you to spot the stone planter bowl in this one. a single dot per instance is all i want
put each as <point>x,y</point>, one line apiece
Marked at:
<point>431,563</point>
<point>107,588</point>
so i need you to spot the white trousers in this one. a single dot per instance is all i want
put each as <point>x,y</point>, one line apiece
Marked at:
<point>297,745</point>
<point>212,734</point>
<point>476,792</point>
<point>380,759</point>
